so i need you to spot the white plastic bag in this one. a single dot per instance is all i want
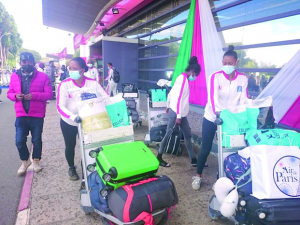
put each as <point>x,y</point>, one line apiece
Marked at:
<point>275,171</point>
<point>91,110</point>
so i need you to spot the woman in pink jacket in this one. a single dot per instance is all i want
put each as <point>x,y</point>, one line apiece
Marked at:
<point>30,90</point>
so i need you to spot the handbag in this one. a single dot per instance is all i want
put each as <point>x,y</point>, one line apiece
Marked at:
<point>276,173</point>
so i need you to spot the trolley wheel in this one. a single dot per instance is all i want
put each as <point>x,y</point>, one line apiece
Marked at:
<point>140,123</point>
<point>211,214</point>
<point>214,214</point>
<point>164,219</point>
<point>87,213</point>
<point>105,221</point>
<point>136,125</point>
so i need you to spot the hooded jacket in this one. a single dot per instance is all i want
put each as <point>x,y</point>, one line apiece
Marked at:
<point>41,90</point>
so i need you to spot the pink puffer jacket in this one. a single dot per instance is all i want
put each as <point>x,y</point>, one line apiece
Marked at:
<point>41,90</point>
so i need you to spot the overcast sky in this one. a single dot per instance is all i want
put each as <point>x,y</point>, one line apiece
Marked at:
<point>36,36</point>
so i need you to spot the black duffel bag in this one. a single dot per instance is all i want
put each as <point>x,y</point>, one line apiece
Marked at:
<point>131,202</point>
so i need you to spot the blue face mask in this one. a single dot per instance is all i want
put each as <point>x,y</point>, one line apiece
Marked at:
<point>75,75</point>
<point>191,78</point>
<point>90,65</point>
<point>108,68</point>
<point>228,69</point>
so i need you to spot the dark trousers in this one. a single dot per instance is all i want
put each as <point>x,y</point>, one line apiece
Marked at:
<point>69,133</point>
<point>23,126</point>
<point>208,132</point>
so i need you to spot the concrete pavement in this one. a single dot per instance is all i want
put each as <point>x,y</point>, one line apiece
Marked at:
<point>55,199</point>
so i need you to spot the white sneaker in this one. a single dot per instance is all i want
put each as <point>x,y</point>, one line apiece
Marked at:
<point>196,183</point>
<point>25,164</point>
<point>36,165</point>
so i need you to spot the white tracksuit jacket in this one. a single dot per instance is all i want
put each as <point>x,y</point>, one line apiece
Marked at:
<point>67,104</point>
<point>92,73</point>
<point>224,94</point>
<point>178,98</point>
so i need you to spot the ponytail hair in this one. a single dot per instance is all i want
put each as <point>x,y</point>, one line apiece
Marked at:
<point>193,65</point>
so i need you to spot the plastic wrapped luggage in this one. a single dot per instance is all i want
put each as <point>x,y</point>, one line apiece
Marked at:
<point>138,200</point>
<point>272,211</point>
<point>128,88</point>
<point>130,103</point>
<point>134,115</point>
<point>158,133</point>
<point>160,120</point>
<point>120,164</point>
<point>95,185</point>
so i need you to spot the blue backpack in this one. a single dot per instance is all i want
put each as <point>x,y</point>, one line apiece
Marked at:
<point>95,185</point>
<point>237,168</point>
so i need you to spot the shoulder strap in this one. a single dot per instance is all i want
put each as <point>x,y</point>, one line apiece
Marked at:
<point>245,174</point>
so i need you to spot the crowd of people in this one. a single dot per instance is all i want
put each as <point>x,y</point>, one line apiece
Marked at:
<point>32,86</point>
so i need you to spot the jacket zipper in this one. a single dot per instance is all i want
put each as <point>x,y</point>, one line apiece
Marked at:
<point>228,94</point>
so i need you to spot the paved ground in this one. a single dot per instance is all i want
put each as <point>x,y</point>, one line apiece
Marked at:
<point>10,183</point>
<point>55,199</point>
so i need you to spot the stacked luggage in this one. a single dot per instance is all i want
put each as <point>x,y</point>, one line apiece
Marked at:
<point>131,96</point>
<point>124,187</point>
<point>267,192</point>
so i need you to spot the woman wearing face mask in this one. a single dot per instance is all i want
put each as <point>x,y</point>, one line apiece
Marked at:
<point>227,88</point>
<point>67,107</point>
<point>178,109</point>
<point>92,72</point>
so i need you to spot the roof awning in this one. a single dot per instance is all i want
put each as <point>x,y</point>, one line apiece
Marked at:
<point>76,16</point>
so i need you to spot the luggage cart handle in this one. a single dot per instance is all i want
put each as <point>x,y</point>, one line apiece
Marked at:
<point>218,120</point>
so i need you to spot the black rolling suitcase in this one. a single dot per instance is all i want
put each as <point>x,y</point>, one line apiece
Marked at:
<point>158,133</point>
<point>273,211</point>
<point>172,145</point>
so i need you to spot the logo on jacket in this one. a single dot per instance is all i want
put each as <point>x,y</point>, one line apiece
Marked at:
<point>220,87</point>
<point>70,96</point>
<point>239,88</point>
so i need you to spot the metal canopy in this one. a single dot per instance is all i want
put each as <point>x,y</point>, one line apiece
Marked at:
<point>76,16</point>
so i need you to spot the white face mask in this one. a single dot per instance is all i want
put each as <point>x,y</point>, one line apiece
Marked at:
<point>228,69</point>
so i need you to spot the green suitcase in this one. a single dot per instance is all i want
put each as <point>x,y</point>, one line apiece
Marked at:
<point>125,163</point>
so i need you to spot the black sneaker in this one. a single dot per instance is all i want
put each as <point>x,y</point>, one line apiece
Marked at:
<point>73,174</point>
<point>1,102</point>
<point>163,163</point>
<point>194,162</point>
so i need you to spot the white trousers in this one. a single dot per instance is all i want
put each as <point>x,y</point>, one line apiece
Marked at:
<point>112,88</point>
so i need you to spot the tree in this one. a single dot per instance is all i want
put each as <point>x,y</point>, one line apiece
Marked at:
<point>77,53</point>
<point>35,54</point>
<point>244,61</point>
<point>10,44</point>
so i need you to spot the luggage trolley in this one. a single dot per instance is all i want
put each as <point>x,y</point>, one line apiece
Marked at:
<point>129,92</point>
<point>237,143</point>
<point>156,109</point>
<point>92,141</point>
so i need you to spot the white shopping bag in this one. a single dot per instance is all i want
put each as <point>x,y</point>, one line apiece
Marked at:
<point>275,171</point>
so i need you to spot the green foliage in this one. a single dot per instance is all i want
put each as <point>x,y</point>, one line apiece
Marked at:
<point>10,44</point>
<point>35,54</point>
<point>77,53</point>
